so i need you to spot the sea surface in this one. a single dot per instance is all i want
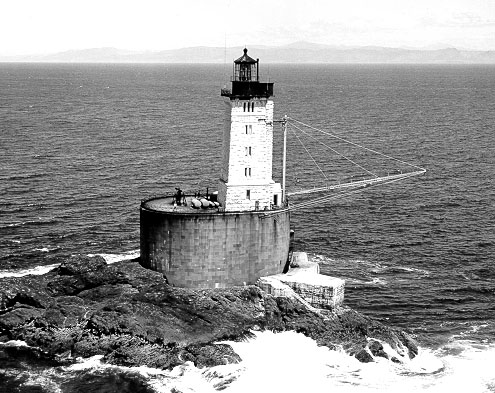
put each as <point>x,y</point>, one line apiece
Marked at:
<point>81,145</point>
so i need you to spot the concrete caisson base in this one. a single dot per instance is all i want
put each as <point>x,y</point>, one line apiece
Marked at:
<point>212,249</point>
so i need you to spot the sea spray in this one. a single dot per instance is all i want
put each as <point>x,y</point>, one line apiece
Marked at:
<point>291,362</point>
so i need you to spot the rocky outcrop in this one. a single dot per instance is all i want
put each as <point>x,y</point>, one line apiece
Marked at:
<point>131,316</point>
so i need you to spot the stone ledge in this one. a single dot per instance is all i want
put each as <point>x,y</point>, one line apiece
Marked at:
<point>317,290</point>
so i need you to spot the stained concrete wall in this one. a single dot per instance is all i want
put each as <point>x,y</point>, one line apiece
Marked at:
<point>214,250</point>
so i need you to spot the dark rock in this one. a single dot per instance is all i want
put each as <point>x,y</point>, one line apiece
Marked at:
<point>78,265</point>
<point>19,356</point>
<point>131,316</point>
<point>108,381</point>
<point>29,290</point>
<point>18,316</point>
<point>376,349</point>
<point>363,356</point>
<point>212,354</point>
<point>409,343</point>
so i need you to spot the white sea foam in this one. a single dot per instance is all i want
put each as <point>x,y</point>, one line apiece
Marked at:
<point>40,270</point>
<point>291,362</point>
<point>112,258</point>
<point>46,249</point>
<point>35,271</point>
<point>14,343</point>
<point>184,378</point>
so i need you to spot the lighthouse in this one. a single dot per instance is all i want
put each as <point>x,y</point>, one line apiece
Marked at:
<point>246,173</point>
<point>196,241</point>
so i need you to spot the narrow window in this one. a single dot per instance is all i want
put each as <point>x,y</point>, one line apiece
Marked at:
<point>249,171</point>
<point>248,194</point>
<point>249,107</point>
<point>250,129</point>
<point>246,151</point>
<point>249,150</point>
<point>244,107</point>
<point>252,106</point>
<point>246,129</point>
<point>245,172</point>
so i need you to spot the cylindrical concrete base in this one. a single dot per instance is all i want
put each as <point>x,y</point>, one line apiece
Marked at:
<point>211,249</point>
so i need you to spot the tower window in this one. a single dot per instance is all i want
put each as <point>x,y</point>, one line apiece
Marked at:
<point>252,107</point>
<point>248,194</point>
<point>247,172</point>
<point>244,107</point>
<point>247,150</point>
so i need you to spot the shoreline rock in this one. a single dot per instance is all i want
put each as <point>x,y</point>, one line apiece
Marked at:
<point>132,317</point>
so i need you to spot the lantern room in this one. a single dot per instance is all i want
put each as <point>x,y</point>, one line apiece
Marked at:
<point>245,80</point>
<point>246,68</point>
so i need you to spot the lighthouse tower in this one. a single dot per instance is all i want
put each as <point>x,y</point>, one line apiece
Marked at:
<point>246,182</point>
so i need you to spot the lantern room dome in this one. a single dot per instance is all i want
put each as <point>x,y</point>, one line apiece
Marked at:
<point>245,58</point>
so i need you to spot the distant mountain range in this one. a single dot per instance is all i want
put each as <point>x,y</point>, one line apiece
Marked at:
<point>300,52</point>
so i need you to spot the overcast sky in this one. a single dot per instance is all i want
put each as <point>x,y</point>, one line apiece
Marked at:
<point>47,26</point>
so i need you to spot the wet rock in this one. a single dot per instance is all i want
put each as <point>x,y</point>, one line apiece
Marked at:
<point>14,355</point>
<point>81,264</point>
<point>131,316</point>
<point>363,356</point>
<point>409,343</point>
<point>376,349</point>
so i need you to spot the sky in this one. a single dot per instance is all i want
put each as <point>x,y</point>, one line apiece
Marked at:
<point>50,26</point>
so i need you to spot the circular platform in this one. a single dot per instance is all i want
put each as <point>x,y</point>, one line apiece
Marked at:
<point>166,204</point>
<point>210,248</point>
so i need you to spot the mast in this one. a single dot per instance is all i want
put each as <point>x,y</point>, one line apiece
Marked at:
<point>284,157</point>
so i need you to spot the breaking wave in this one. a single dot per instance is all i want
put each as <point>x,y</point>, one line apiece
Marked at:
<point>291,362</point>
<point>112,258</point>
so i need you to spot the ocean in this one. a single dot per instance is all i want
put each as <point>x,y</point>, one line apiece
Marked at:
<point>82,144</point>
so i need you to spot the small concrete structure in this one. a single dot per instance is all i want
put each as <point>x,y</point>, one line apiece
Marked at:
<point>314,289</point>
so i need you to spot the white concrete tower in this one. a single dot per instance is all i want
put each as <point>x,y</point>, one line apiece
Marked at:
<point>246,174</point>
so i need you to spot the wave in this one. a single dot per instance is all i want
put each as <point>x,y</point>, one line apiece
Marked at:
<point>112,258</point>
<point>23,176</point>
<point>470,289</point>
<point>375,281</point>
<point>43,269</point>
<point>39,221</point>
<point>46,249</point>
<point>291,362</point>
<point>35,271</point>
<point>319,369</point>
<point>402,269</point>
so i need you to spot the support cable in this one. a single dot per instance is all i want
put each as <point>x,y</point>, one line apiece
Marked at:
<point>355,144</point>
<point>307,151</point>
<point>335,151</point>
<point>340,195</point>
